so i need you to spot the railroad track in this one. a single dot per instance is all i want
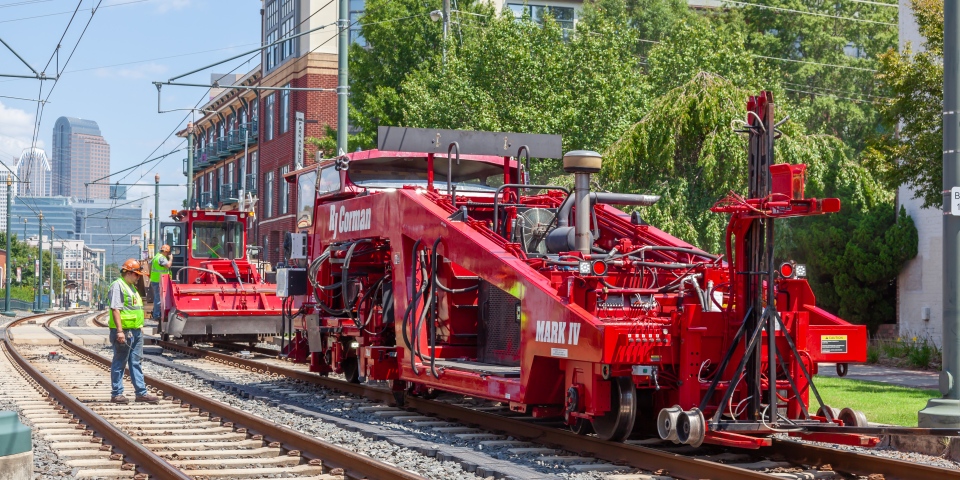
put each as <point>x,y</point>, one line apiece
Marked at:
<point>784,452</point>
<point>185,436</point>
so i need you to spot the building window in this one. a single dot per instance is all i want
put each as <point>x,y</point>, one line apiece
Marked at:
<point>285,109</point>
<point>268,196</point>
<point>219,182</point>
<point>284,191</point>
<point>252,173</point>
<point>564,16</point>
<point>268,107</point>
<point>356,10</point>
<point>280,24</point>
<point>286,30</point>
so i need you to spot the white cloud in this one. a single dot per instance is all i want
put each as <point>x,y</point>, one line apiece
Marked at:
<point>170,5</point>
<point>16,131</point>
<point>147,70</point>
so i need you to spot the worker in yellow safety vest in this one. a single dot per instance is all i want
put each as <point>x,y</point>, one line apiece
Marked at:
<point>126,337</point>
<point>160,266</point>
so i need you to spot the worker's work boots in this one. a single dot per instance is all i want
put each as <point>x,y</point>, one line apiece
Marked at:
<point>148,398</point>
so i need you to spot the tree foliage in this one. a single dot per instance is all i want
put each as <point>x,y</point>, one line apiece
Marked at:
<point>23,256</point>
<point>400,39</point>
<point>685,149</point>
<point>911,149</point>
<point>509,75</point>
<point>822,40</point>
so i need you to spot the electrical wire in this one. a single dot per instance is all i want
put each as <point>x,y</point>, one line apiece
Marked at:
<point>68,11</point>
<point>807,12</point>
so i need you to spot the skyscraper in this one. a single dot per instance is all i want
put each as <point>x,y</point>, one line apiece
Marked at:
<point>80,155</point>
<point>33,170</point>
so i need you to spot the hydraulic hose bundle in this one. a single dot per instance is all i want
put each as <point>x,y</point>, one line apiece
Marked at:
<point>427,264</point>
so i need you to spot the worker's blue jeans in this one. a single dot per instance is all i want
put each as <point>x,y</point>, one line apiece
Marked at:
<point>129,352</point>
<point>155,290</point>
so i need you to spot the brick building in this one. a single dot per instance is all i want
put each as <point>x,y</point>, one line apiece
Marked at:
<point>225,157</point>
<point>309,61</point>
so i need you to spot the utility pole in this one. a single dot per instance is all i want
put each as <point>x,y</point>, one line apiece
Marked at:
<point>40,308</point>
<point>242,191</point>
<point>945,412</point>
<point>446,28</point>
<point>151,230</point>
<point>6,307</point>
<point>342,85</point>
<point>51,265</point>
<point>189,164</point>
<point>156,209</point>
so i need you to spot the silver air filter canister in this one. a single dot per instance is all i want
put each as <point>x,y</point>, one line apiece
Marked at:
<point>582,163</point>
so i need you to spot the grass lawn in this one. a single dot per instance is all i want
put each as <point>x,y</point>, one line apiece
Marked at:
<point>881,403</point>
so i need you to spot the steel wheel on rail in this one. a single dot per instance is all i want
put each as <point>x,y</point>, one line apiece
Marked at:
<point>581,427</point>
<point>617,424</point>
<point>351,369</point>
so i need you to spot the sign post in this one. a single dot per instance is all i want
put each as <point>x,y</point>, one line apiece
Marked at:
<point>298,143</point>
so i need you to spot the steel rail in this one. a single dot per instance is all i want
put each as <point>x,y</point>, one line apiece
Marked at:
<point>146,461</point>
<point>865,465</point>
<point>354,465</point>
<point>622,453</point>
<point>801,453</point>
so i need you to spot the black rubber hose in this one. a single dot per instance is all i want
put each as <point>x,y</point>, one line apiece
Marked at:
<point>428,291</point>
<point>433,311</point>
<point>345,275</point>
<point>411,303</point>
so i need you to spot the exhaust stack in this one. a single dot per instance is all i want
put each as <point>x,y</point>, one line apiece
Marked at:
<point>582,163</point>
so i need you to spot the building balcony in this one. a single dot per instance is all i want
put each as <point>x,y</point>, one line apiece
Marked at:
<point>229,192</point>
<point>210,152</point>
<point>252,184</point>
<point>209,200</point>
<point>222,147</point>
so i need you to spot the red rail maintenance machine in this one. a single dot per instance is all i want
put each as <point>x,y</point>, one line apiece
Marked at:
<point>214,292</point>
<point>433,263</point>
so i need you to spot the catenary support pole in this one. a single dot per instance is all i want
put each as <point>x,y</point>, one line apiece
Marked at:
<point>343,23</point>
<point>52,236</point>
<point>446,28</point>
<point>945,411</point>
<point>156,215</point>
<point>40,308</point>
<point>6,268</point>
<point>150,240</point>
<point>243,170</point>
<point>189,164</point>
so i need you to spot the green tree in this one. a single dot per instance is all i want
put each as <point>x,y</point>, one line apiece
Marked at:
<point>522,76</point>
<point>835,100</point>
<point>853,257</point>
<point>910,151</point>
<point>400,38</point>
<point>698,45</point>
<point>24,256</point>
<point>685,149</point>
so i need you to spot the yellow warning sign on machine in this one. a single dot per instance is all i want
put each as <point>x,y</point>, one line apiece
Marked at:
<point>833,343</point>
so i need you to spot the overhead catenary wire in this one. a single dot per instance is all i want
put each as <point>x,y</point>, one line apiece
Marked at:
<point>40,106</point>
<point>68,11</point>
<point>807,12</point>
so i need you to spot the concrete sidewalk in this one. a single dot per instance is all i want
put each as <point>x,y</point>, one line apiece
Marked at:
<point>927,379</point>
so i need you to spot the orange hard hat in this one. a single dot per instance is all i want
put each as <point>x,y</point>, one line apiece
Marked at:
<point>165,249</point>
<point>131,265</point>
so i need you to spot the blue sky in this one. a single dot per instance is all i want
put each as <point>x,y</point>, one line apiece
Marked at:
<point>128,44</point>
